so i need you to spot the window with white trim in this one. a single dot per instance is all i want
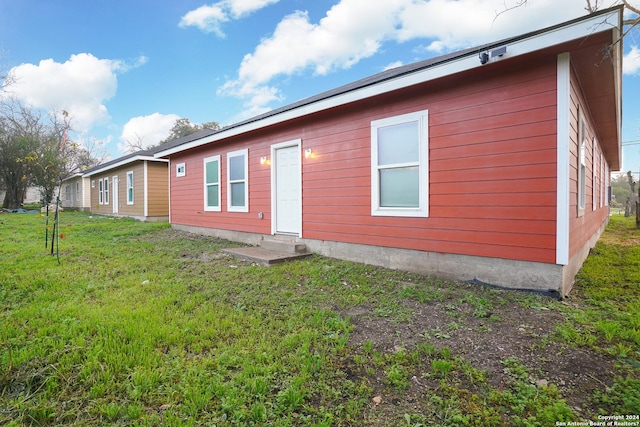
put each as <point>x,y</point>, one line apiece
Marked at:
<point>607,184</point>
<point>181,169</point>
<point>582,163</point>
<point>77,191</point>
<point>594,175</point>
<point>399,165</point>
<point>100,193</point>
<point>106,191</point>
<point>130,187</point>
<point>212,184</point>
<point>238,181</point>
<point>68,192</point>
<point>601,179</point>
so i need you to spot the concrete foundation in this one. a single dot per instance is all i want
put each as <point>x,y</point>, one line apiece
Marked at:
<point>140,218</point>
<point>505,273</point>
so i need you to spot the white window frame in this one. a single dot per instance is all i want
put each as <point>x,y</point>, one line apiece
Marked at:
<point>181,169</point>
<point>230,155</point>
<point>601,178</point>
<point>206,185</point>
<point>582,164</point>
<point>130,186</point>
<point>594,176</point>
<point>77,191</point>
<point>100,193</point>
<point>607,183</point>
<point>422,210</point>
<point>105,187</point>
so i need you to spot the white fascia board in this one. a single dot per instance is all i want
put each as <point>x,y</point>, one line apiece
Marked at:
<point>145,178</point>
<point>515,47</point>
<point>563,158</point>
<point>125,162</point>
<point>619,54</point>
<point>75,175</point>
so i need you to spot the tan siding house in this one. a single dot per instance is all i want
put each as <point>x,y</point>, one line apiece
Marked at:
<point>135,186</point>
<point>76,193</point>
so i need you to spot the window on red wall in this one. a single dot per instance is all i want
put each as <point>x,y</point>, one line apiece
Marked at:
<point>238,181</point>
<point>399,162</point>
<point>212,184</point>
<point>582,163</point>
<point>595,175</point>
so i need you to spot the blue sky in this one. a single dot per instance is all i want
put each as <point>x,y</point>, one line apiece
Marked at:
<point>127,69</point>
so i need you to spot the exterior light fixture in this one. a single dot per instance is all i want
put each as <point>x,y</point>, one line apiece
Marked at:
<point>308,153</point>
<point>264,160</point>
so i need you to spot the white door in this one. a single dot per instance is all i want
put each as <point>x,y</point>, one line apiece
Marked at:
<point>114,194</point>
<point>287,189</point>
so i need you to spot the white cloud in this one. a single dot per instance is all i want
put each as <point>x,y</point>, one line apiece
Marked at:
<point>393,65</point>
<point>240,8</point>
<point>209,18</point>
<point>80,86</point>
<point>206,18</point>
<point>350,31</point>
<point>353,30</point>
<point>451,24</point>
<point>147,130</point>
<point>631,61</point>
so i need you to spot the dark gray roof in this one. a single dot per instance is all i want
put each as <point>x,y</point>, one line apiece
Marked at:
<point>140,153</point>
<point>151,151</point>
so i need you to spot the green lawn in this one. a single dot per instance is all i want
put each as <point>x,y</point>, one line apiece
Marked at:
<point>143,325</point>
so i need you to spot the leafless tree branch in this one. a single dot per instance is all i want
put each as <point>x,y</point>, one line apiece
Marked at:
<point>136,145</point>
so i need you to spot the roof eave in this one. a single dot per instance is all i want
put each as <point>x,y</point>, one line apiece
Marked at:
<point>124,163</point>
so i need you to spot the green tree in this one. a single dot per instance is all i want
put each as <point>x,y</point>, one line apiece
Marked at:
<point>183,127</point>
<point>621,191</point>
<point>20,131</point>
<point>14,167</point>
<point>34,152</point>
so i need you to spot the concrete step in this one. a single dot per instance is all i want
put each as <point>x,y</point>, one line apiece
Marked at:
<point>284,246</point>
<point>263,256</point>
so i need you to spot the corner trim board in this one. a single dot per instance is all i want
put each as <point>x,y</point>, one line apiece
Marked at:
<point>563,158</point>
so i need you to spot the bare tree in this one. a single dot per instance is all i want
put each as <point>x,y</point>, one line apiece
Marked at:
<point>7,78</point>
<point>135,145</point>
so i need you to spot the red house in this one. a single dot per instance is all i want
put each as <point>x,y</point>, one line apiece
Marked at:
<point>490,164</point>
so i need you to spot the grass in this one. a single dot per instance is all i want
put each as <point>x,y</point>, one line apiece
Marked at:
<point>140,325</point>
<point>606,317</point>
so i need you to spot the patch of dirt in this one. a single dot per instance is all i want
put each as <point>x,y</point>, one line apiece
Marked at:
<point>507,331</point>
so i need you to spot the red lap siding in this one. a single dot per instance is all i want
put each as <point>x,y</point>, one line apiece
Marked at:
<point>492,171</point>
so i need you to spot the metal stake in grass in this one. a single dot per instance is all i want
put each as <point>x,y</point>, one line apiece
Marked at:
<point>56,230</point>
<point>46,225</point>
